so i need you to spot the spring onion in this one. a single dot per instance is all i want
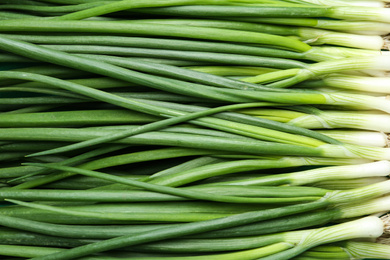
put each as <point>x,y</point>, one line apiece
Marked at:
<point>182,129</point>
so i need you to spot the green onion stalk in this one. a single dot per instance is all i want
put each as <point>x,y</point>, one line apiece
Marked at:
<point>207,171</point>
<point>353,82</point>
<point>345,172</point>
<point>380,63</point>
<point>337,119</point>
<point>247,146</point>
<point>348,184</point>
<point>155,30</point>
<point>326,119</point>
<point>95,52</point>
<point>374,14</point>
<point>375,3</point>
<point>311,36</point>
<point>357,27</point>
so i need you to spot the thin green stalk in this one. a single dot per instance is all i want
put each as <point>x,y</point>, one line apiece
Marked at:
<point>329,67</point>
<point>195,56</point>
<point>135,157</point>
<point>372,3</point>
<point>222,168</point>
<point>27,146</point>
<point>272,76</point>
<point>126,4</point>
<point>16,171</point>
<point>193,163</point>
<point>27,251</point>
<point>49,9</point>
<point>73,118</point>
<point>53,92</point>
<point>73,2</point>
<point>14,237</point>
<point>16,102</point>
<point>162,138</point>
<point>264,195</point>
<point>374,14</point>
<point>231,70</point>
<point>31,109</point>
<point>30,251</point>
<point>309,35</point>
<point>190,75</point>
<point>155,30</point>
<point>374,28</point>
<point>70,161</point>
<point>4,15</point>
<point>170,217</point>
<point>158,43</point>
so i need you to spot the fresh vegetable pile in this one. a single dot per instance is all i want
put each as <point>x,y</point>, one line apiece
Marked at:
<point>194,130</point>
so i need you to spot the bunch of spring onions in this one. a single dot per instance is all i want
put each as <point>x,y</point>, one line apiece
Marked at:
<point>194,130</point>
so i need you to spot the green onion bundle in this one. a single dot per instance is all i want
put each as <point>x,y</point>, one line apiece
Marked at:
<point>194,130</point>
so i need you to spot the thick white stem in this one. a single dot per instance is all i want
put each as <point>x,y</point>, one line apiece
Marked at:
<point>364,101</point>
<point>373,206</point>
<point>321,37</point>
<point>374,14</point>
<point>354,151</point>
<point>349,119</point>
<point>370,84</point>
<point>380,168</point>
